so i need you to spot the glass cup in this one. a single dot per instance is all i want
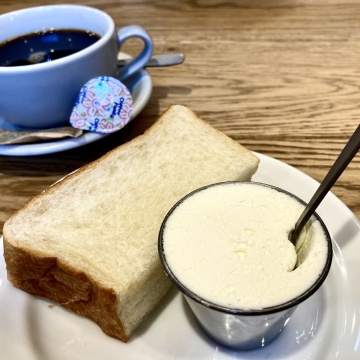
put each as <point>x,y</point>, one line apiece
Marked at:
<point>238,328</point>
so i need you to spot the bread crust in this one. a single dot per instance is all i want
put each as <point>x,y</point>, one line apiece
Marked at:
<point>49,277</point>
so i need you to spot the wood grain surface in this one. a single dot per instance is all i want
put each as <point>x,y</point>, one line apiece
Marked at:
<point>282,77</point>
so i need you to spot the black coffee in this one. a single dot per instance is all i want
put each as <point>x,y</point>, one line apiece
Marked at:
<point>46,46</point>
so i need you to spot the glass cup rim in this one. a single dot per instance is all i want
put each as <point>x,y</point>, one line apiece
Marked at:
<point>238,311</point>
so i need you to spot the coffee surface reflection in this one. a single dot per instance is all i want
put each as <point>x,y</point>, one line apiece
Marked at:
<point>44,46</point>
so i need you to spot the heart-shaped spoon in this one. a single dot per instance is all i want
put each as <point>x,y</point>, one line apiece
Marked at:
<point>349,151</point>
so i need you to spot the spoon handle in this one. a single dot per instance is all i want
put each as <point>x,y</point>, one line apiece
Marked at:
<point>159,60</point>
<point>349,151</point>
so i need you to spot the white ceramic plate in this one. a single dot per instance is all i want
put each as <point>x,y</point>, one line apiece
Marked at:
<point>326,326</point>
<point>140,86</point>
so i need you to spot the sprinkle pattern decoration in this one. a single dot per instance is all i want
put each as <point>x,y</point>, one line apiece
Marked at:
<point>104,104</point>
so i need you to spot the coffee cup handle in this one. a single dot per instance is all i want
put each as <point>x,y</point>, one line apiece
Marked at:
<point>140,61</point>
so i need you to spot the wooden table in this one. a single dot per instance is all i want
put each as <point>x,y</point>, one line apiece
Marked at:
<point>281,77</point>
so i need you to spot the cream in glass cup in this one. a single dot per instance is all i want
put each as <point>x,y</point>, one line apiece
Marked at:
<point>225,246</point>
<point>43,95</point>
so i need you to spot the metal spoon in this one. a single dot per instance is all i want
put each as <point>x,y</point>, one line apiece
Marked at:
<point>155,61</point>
<point>349,151</point>
<point>159,60</point>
